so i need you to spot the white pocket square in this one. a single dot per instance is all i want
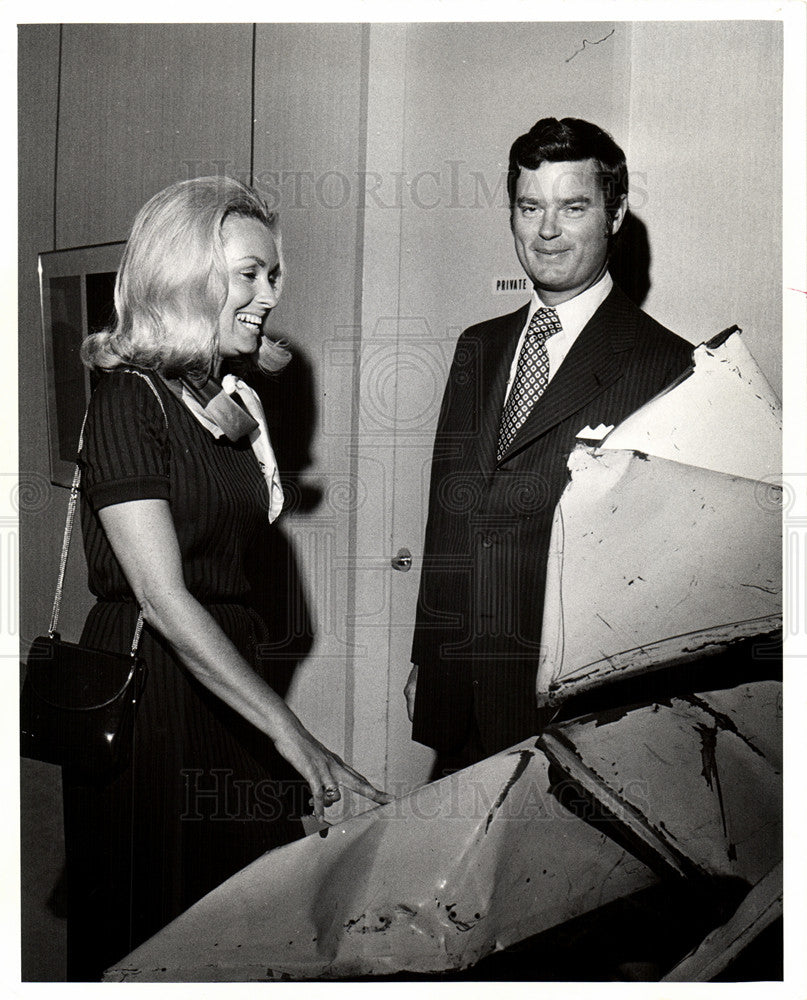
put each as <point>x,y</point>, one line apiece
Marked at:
<point>595,434</point>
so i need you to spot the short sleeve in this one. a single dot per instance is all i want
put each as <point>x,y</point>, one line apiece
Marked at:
<point>125,453</point>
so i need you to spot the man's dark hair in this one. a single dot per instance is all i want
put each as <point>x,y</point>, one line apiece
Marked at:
<point>553,141</point>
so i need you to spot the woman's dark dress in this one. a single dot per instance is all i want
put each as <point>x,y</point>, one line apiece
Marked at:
<point>198,803</point>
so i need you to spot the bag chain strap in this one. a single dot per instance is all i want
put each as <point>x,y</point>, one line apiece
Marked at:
<point>68,531</point>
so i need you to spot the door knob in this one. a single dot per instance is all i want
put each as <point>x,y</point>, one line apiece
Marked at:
<point>402,560</point>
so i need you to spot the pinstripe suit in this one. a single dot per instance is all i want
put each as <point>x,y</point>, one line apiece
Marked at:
<point>480,605</point>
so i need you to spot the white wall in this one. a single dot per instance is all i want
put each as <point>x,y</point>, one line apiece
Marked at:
<point>705,136</point>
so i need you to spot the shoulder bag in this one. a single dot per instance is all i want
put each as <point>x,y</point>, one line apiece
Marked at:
<point>78,704</point>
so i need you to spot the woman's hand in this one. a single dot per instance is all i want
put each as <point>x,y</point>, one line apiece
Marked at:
<point>322,769</point>
<point>143,538</point>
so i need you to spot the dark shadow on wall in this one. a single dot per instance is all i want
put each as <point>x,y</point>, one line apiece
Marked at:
<point>630,260</point>
<point>279,591</point>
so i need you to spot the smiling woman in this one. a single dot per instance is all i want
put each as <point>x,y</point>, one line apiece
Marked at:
<point>254,273</point>
<point>178,481</point>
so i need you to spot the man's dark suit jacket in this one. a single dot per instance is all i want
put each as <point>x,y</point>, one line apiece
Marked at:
<point>480,605</point>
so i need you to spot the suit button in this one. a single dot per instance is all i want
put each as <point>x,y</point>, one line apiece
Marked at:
<point>488,540</point>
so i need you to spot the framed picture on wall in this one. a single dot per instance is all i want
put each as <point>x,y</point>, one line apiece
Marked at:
<point>77,297</point>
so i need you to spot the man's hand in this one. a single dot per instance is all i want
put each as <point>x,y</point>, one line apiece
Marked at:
<point>409,691</point>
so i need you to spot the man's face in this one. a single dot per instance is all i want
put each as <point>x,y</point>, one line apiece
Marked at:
<point>560,228</point>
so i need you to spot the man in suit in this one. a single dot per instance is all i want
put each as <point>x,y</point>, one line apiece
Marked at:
<point>520,389</point>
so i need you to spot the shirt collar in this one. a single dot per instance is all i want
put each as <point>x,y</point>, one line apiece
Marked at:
<point>575,313</point>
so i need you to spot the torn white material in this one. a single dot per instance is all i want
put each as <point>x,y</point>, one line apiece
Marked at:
<point>695,777</point>
<point>430,882</point>
<point>490,856</point>
<point>722,416</point>
<point>666,544</point>
<point>651,561</point>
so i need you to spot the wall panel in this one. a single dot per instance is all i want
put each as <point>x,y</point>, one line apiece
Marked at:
<point>308,152</point>
<point>141,106</point>
<point>705,143</point>
<point>381,361</point>
<point>41,506</point>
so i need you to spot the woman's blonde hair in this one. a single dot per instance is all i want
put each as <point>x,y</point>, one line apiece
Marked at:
<point>173,281</point>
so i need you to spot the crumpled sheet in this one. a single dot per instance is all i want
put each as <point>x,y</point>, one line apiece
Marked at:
<point>430,882</point>
<point>499,852</point>
<point>722,415</point>
<point>666,544</point>
<point>696,776</point>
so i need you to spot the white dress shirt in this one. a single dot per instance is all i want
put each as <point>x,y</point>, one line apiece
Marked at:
<point>573,316</point>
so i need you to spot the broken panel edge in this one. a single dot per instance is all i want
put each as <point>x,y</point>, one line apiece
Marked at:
<point>664,653</point>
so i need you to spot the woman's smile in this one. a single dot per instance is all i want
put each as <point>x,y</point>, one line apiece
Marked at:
<point>253,268</point>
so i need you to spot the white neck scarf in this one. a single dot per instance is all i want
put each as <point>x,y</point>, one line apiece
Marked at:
<point>258,439</point>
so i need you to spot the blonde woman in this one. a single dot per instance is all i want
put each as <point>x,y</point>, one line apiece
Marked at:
<point>178,478</point>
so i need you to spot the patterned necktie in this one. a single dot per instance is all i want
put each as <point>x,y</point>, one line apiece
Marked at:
<point>532,376</point>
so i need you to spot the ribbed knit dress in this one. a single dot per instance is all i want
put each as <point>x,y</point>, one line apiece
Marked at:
<point>198,802</point>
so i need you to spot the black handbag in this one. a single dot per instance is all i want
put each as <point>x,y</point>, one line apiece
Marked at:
<point>78,704</point>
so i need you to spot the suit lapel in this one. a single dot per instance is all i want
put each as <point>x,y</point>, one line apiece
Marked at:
<point>495,358</point>
<point>595,361</point>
